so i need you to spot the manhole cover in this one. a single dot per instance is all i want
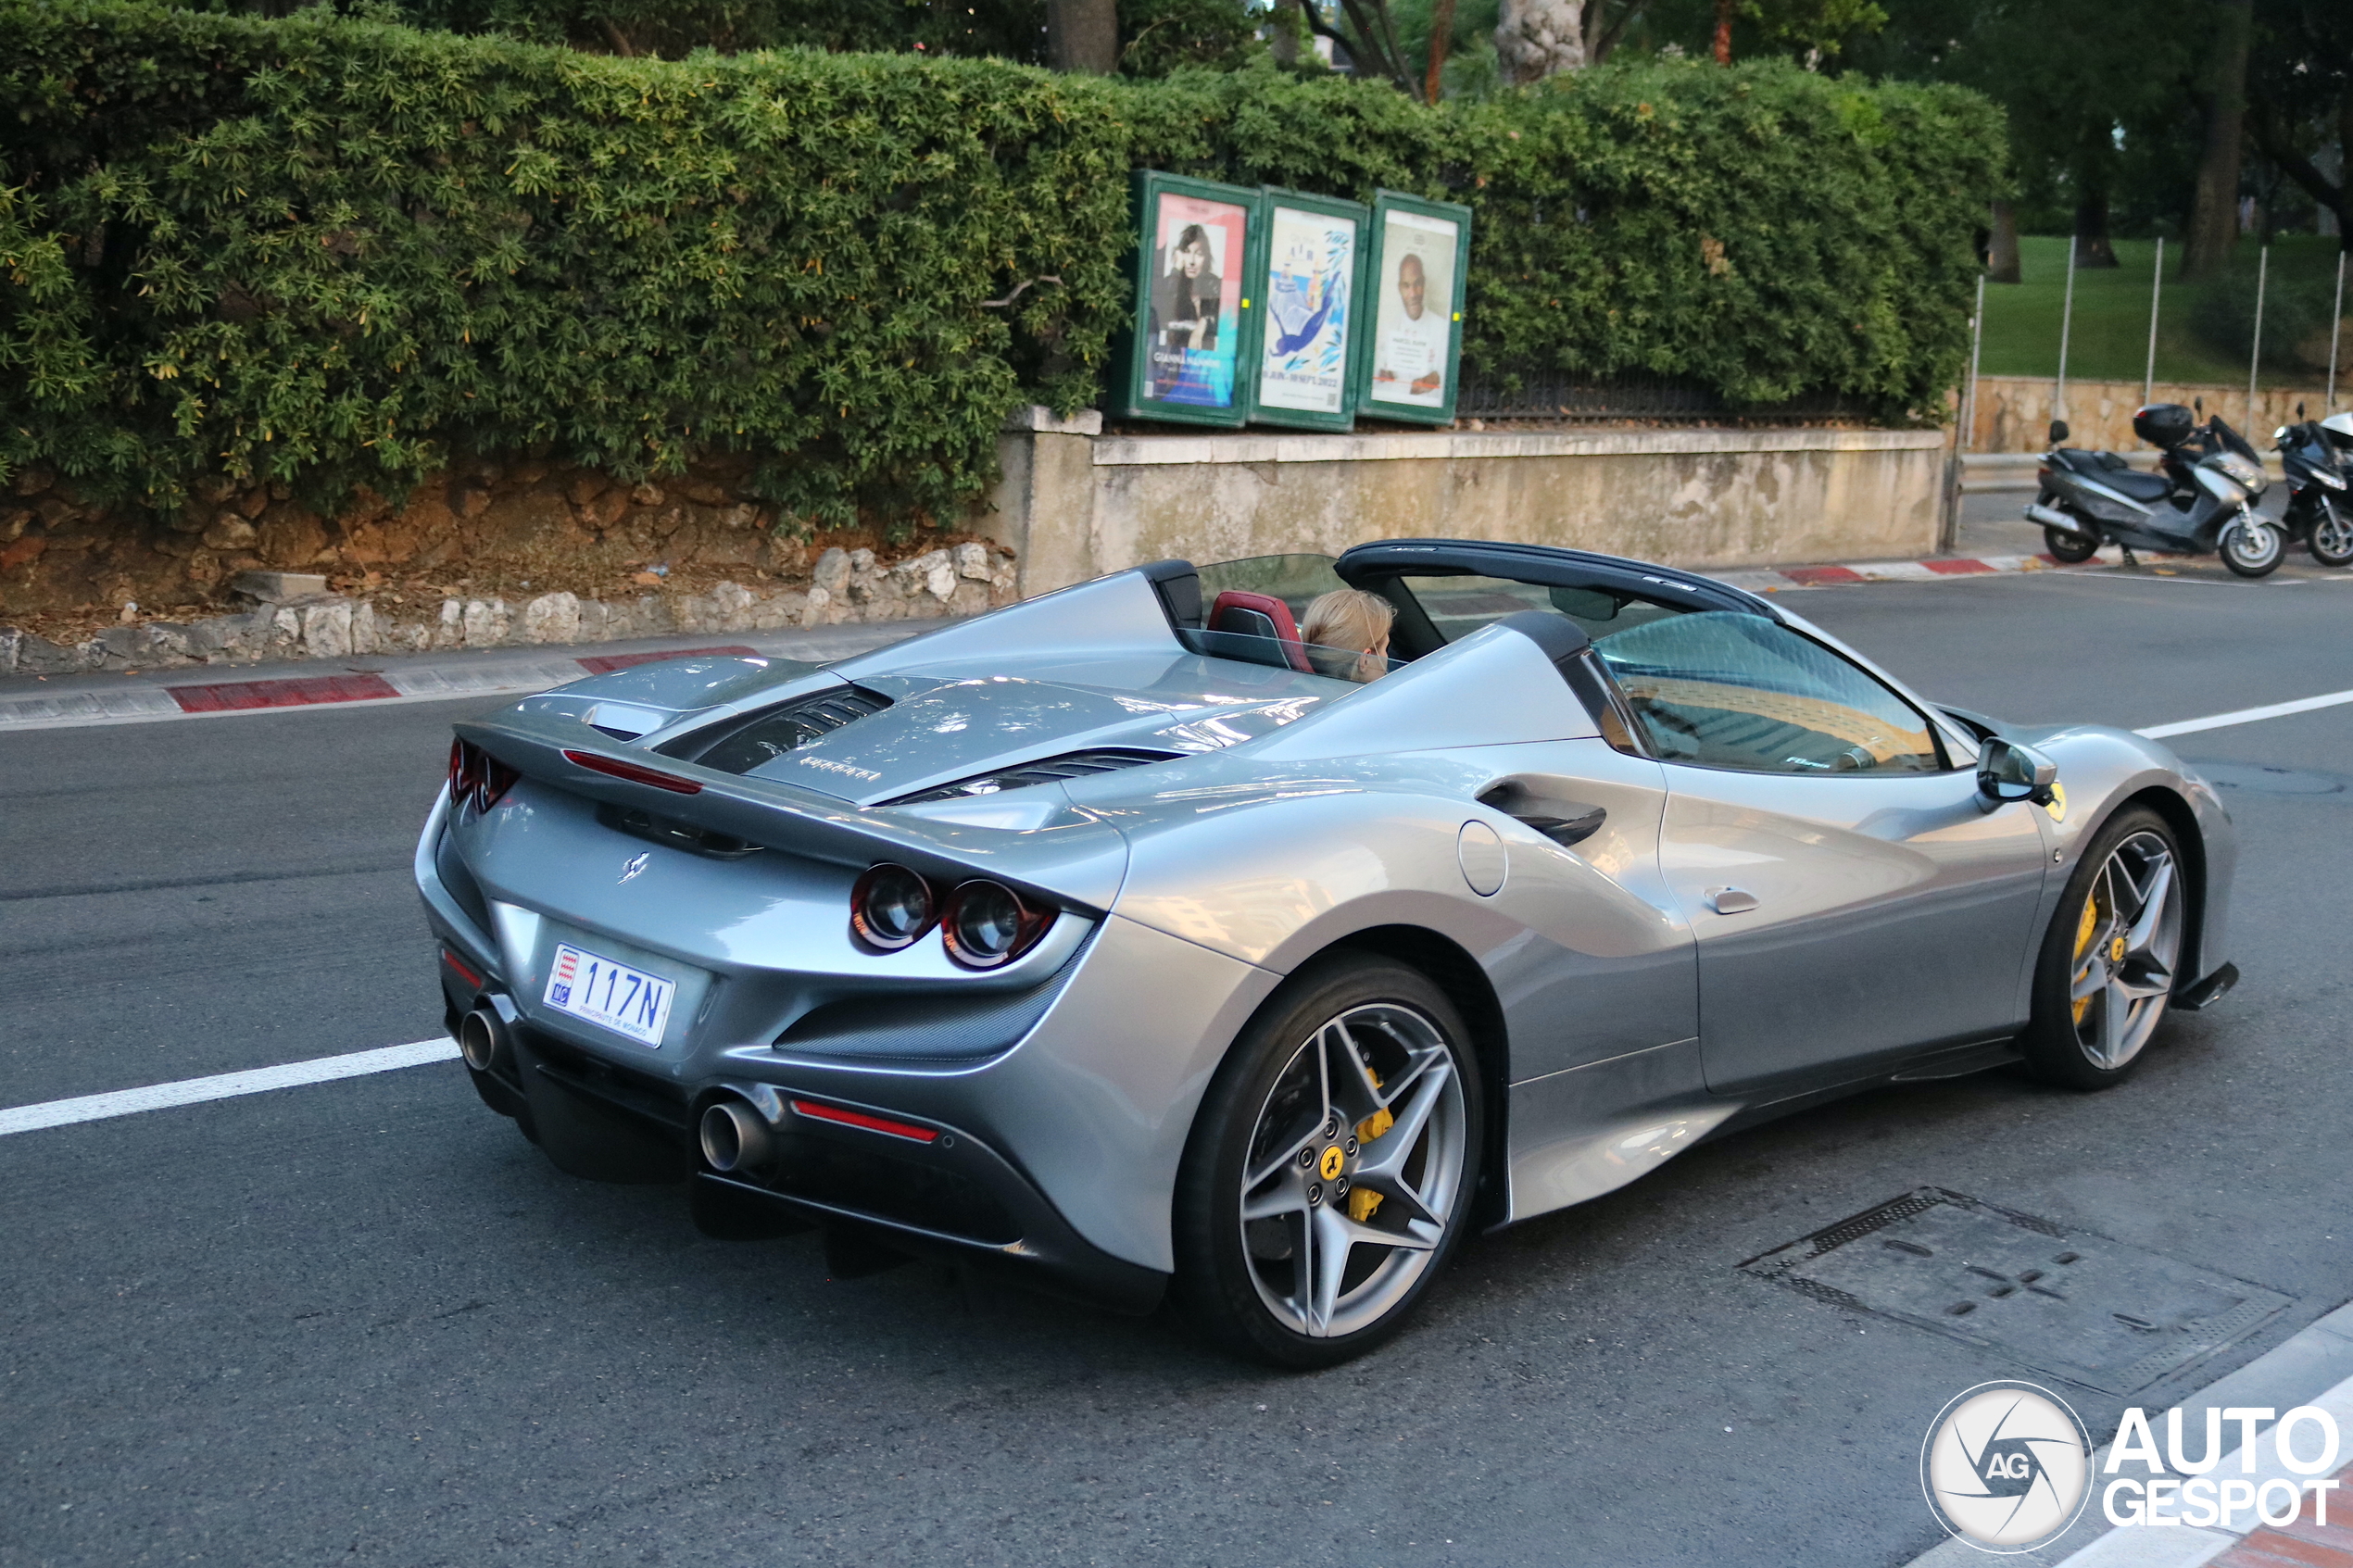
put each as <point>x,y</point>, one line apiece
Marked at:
<point>2269,781</point>
<point>2068,1302</point>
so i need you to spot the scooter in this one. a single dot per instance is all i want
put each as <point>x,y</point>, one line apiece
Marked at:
<point>2319,510</point>
<point>2203,505</point>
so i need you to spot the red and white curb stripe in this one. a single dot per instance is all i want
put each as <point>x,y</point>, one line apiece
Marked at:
<point>2309,1369</point>
<point>1838,573</point>
<point>131,705</point>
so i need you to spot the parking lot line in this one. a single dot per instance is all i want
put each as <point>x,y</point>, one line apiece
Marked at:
<point>223,1086</point>
<point>2245,715</point>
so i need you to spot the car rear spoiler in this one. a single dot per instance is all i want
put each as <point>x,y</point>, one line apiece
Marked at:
<point>1078,859</point>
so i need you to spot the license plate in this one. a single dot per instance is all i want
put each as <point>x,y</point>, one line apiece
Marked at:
<point>625,1000</point>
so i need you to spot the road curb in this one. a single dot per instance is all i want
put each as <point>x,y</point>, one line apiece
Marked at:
<point>2313,1366</point>
<point>1927,570</point>
<point>88,700</point>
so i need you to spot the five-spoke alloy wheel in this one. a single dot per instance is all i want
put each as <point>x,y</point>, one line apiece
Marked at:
<point>1330,1170</point>
<point>2110,961</point>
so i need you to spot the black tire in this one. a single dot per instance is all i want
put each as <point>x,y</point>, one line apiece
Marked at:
<point>2252,549</point>
<point>2073,548</point>
<point>2063,1044</point>
<point>1222,1262</point>
<point>2331,538</point>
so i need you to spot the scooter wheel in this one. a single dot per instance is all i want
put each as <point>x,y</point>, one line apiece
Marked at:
<point>2069,548</point>
<point>2331,541</point>
<point>2252,549</point>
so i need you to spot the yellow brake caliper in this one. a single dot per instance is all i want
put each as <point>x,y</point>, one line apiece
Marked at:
<point>2083,932</point>
<point>1362,1201</point>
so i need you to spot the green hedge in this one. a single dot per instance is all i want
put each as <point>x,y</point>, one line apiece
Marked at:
<point>335,252</point>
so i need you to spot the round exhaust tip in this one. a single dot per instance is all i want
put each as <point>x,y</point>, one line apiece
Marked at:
<point>482,1039</point>
<point>735,1137</point>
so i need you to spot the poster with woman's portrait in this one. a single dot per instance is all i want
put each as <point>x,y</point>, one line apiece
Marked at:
<point>1194,314</point>
<point>1413,321</point>
<point>1310,306</point>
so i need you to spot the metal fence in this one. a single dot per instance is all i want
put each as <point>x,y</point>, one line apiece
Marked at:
<point>1557,397</point>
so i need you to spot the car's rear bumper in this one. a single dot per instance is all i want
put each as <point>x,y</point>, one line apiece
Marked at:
<point>1069,1117</point>
<point>954,1196</point>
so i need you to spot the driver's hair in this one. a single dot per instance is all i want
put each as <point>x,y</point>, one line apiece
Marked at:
<point>1347,618</point>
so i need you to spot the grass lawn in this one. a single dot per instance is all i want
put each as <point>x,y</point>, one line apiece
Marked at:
<point>2110,338</point>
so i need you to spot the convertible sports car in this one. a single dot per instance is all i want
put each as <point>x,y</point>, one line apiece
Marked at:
<point>1109,938</point>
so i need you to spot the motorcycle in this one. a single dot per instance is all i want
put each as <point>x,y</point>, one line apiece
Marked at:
<point>2319,510</point>
<point>2202,504</point>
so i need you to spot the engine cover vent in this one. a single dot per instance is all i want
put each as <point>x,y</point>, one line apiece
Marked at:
<point>1071,765</point>
<point>744,743</point>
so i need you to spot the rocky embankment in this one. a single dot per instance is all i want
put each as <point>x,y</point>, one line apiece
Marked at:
<point>294,616</point>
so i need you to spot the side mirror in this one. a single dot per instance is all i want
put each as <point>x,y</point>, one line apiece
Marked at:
<point>2059,431</point>
<point>2007,772</point>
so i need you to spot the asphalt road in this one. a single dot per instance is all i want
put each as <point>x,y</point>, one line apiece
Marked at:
<point>364,1322</point>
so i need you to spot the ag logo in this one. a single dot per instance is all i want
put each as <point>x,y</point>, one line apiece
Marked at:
<point>636,863</point>
<point>2006,1467</point>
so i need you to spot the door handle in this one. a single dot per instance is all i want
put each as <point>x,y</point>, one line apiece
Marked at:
<point>1731,900</point>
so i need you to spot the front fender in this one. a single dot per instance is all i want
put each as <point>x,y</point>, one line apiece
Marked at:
<point>2104,768</point>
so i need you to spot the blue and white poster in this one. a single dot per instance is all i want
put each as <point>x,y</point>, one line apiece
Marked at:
<point>1311,271</point>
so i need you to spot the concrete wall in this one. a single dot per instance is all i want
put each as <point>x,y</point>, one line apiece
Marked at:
<point>2014,413</point>
<point>1075,504</point>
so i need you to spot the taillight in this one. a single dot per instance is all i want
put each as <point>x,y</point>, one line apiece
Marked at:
<point>614,767</point>
<point>818,1112</point>
<point>892,906</point>
<point>987,924</point>
<point>478,777</point>
<point>984,924</point>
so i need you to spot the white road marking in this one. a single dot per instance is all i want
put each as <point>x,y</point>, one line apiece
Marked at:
<point>224,1085</point>
<point>2245,715</point>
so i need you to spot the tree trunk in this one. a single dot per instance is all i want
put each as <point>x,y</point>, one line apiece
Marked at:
<point>2001,261</point>
<point>2214,210</point>
<point>1441,25</point>
<point>1724,32</point>
<point>1535,39</point>
<point>2092,247</point>
<point>1083,35</point>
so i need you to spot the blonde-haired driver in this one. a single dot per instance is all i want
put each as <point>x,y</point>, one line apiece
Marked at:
<point>1347,634</point>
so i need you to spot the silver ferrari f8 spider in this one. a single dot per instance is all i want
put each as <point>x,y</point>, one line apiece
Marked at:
<point>1131,940</point>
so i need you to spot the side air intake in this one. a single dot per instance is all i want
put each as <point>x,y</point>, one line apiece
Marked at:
<point>1072,765</point>
<point>744,743</point>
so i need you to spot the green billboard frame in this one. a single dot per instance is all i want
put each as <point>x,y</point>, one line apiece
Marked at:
<point>1342,416</point>
<point>1392,329</point>
<point>1154,378</point>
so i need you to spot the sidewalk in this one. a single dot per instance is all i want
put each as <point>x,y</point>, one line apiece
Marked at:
<point>56,702</point>
<point>2312,1367</point>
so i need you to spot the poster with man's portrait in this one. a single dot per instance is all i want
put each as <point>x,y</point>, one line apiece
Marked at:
<point>1308,285</point>
<point>1413,361</point>
<point>1191,337</point>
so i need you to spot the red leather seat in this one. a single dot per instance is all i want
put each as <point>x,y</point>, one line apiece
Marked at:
<point>1260,615</point>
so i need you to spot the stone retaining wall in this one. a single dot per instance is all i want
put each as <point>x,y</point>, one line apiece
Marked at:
<point>846,585</point>
<point>1076,502</point>
<point>2014,413</point>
